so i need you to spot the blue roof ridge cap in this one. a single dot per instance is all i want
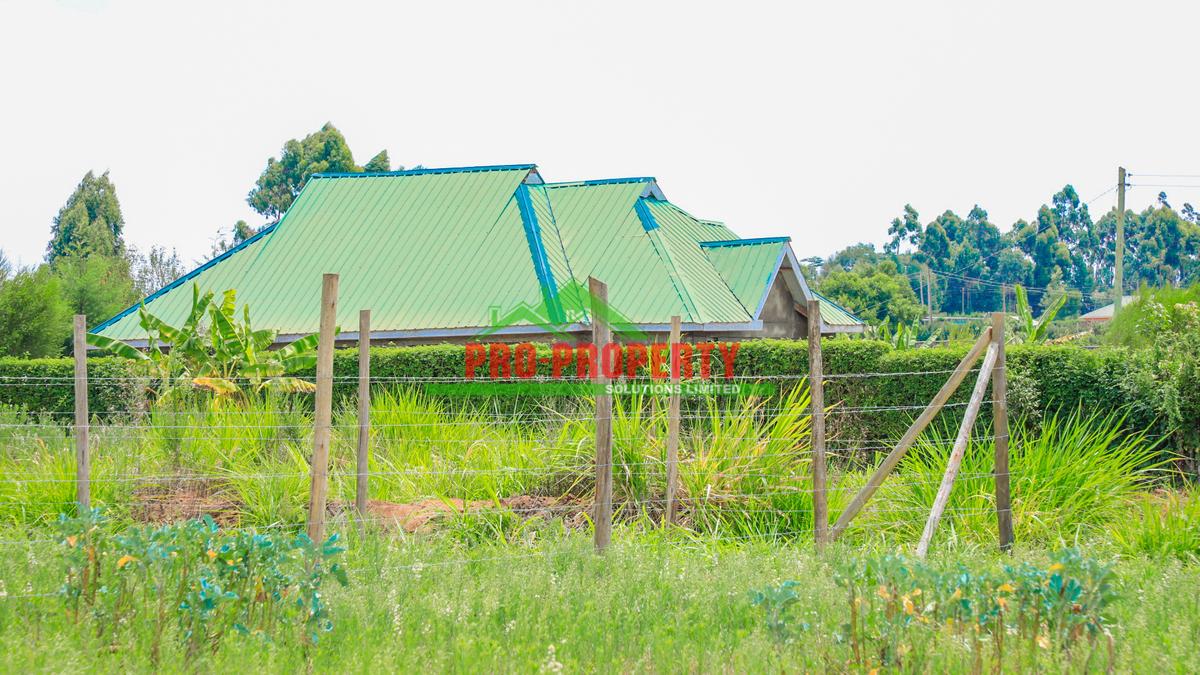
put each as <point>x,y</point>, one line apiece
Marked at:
<point>603,181</point>
<point>419,172</point>
<point>745,242</point>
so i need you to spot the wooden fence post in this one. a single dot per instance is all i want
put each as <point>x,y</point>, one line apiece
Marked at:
<point>957,453</point>
<point>816,389</point>
<point>323,416</point>
<point>673,421</point>
<point>910,436</point>
<point>364,410</point>
<point>601,336</point>
<point>1000,429</point>
<point>83,461</point>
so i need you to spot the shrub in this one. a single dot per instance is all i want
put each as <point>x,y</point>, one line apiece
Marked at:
<point>210,584</point>
<point>893,601</point>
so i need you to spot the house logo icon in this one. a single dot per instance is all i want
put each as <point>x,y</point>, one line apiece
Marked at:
<point>567,312</point>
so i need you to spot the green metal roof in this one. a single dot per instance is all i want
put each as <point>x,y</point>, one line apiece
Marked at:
<point>437,250</point>
<point>748,268</point>
<point>833,314</point>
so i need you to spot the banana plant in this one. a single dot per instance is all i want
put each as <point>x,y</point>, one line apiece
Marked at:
<point>1032,330</point>
<point>902,337</point>
<point>219,355</point>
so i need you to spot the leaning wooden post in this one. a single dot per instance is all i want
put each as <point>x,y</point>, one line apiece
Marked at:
<point>910,436</point>
<point>1000,429</point>
<point>956,454</point>
<point>83,461</point>
<point>816,389</point>
<point>364,410</point>
<point>323,416</point>
<point>673,421</point>
<point>601,336</point>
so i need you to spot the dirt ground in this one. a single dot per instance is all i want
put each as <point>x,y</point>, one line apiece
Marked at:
<point>184,500</point>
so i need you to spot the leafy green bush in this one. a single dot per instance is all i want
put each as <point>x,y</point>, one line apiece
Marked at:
<point>1152,311</point>
<point>48,385</point>
<point>895,602</point>
<point>1166,375</point>
<point>210,583</point>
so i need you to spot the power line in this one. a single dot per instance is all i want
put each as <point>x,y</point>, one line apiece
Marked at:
<point>1169,175</point>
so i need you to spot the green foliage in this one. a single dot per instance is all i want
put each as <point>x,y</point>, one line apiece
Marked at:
<point>239,233</point>
<point>776,603</point>
<point>154,269</point>
<point>34,320</point>
<point>901,336</point>
<point>47,385</point>
<point>1163,525</point>
<point>96,286</point>
<point>1060,251</point>
<point>894,604</point>
<point>90,222</point>
<point>218,355</point>
<point>1053,500</point>
<point>904,230</point>
<point>746,472</point>
<point>1162,248</point>
<point>213,585</point>
<point>324,151</point>
<point>874,292</point>
<point>430,605</point>
<point>1043,379</point>
<point>1139,322</point>
<point>1167,374</point>
<point>379,163</point>
<point>1032,330</point>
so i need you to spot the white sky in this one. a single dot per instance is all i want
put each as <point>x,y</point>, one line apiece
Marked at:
<point>817,122</point>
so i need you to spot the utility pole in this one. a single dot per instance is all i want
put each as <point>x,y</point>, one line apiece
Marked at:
<point>929,294</point>
<point>1119,275</point>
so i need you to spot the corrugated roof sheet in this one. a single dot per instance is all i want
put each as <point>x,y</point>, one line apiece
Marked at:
<point>433,249</point>
<point>748,268</point>
<point>680,237</point>
<point>604,238</point>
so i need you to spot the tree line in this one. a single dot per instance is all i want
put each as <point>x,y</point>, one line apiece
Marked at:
<point>961,266</point>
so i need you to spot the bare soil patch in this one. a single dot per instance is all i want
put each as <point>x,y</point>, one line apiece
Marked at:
<point>183,500</point>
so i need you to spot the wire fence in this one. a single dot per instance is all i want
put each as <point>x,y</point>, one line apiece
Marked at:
<point>711,469</point>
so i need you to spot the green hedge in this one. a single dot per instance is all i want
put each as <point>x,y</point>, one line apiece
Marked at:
<point>48,385</point>
<point>1042,378</point>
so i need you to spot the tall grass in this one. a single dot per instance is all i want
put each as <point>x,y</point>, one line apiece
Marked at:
<point>1070,476</point>
<point>422,447</point>
<point>1161,525</point>
<point>745,465</point>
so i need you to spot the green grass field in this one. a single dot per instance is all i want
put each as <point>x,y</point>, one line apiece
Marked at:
<point>648,604</point>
